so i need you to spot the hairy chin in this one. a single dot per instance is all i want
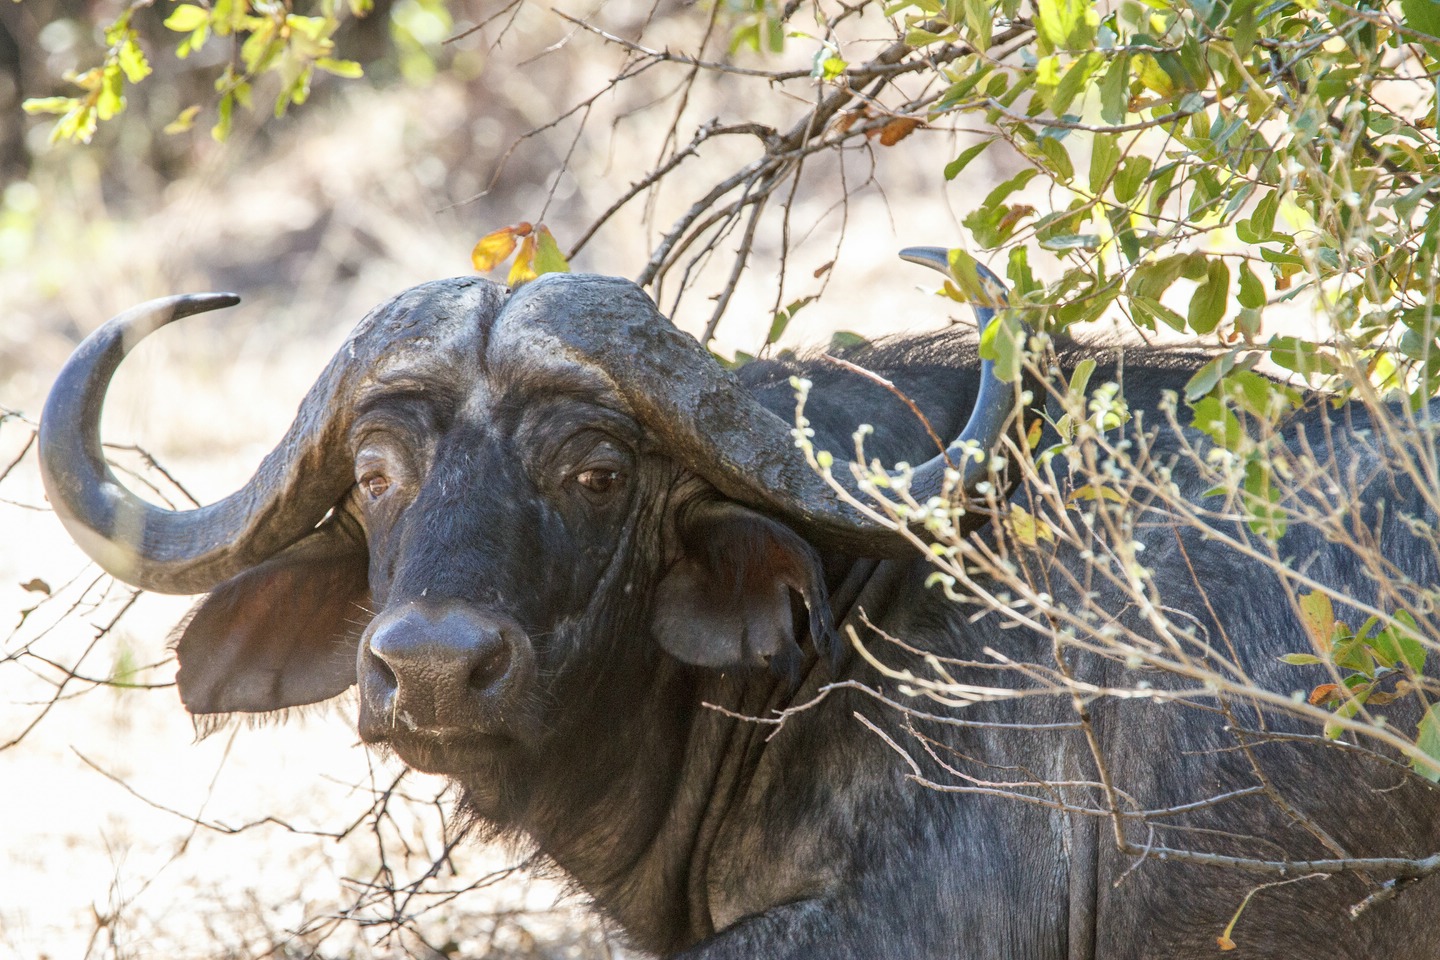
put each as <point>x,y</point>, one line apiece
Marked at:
<point>489,810</point>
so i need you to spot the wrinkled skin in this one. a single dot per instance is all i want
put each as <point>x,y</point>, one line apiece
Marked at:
<point>539,600</point>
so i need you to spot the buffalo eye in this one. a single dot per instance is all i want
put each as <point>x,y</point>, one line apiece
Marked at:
<point>598,480</point>
<point>375,483</point>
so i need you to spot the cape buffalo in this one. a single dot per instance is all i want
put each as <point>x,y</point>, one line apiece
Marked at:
<point>567,558</point>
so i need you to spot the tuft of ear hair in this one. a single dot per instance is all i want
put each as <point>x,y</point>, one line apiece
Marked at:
<point>725,603</point>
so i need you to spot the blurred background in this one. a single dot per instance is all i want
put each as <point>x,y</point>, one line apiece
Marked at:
<point>123,832</point>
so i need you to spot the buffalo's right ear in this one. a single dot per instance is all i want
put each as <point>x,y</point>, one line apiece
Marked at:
<point>727,601</point>
<point>282,634</point>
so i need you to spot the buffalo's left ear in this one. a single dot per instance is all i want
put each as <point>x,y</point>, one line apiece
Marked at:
<point>726,602</point>
<point>282,634</point>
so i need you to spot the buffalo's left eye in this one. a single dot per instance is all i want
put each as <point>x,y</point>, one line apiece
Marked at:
<point>598,480</point>
<point>375,484</point>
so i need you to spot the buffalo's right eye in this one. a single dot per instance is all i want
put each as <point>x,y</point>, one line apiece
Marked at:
<point>375,483</point>
<point>598,481</point>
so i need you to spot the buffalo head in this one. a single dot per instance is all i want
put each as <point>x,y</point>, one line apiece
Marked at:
<point>489,504</point>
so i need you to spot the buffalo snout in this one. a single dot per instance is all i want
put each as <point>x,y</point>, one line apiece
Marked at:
<point>445,671</point>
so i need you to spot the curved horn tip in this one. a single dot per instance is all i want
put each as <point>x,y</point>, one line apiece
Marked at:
<point>937,258</point>
<point>193,303</point>
<point>139,322</point>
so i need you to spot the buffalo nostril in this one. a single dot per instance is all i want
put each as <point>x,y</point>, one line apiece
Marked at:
<point>491,664</point>
<point>387,677</point>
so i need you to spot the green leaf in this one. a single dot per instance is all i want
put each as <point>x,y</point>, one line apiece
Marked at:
<point>1422,15</point>
<point>548,258</point>
<point>1215,419</point>
<point>1303,357</point>
<point>1063,24</point>
<point>782,318</point>
<point>1074,80</point>
<point>1155,277</point>
<point>1352,653</point>
<point>1260,227</point>
<point>1004,343</point>
<point>1207,306</point>
<point>1071,241</point>
<point>1131,177</point>
<point>1427,744</point>
<point>112,98</point>
<point>979,23</point>
<point>953,168</point>
<point>194,42</point>
<point>1266,519</point>
<point>1115,91</point>
<point>1057,159</point>
<point>1301,659</point>
<point>1258,395</point>
<point>1104,159</point>
<point>221,130</point>
<point>1152,310</point>
<point>1022,279</point>
<point>997,196</point>
<point>1080,378</point>
<point>1242,15</point>
<point>1412,652</point>
<point>1252,294</point>
<point>1396,643</point>
<point>184,121</point>
<point>1204,379</point>
<point>1154,76</point>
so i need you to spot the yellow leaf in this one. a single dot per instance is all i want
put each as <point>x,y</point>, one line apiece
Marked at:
<point>493,248</point>
<point>50,104</point>
<point>1028,528</point>
<point>187,17</point>
<point>1154,76</point>
<point>348,69</point>
<point>1317,614</point>
<point>185,121</point>
<point>523,269</point>
<point>1092,492</point>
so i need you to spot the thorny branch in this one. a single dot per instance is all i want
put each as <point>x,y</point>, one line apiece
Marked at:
<point>741,199</point>
<point>1118,488</point>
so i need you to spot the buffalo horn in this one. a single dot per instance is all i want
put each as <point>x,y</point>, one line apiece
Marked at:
<point>428,334</point>
<point>172,551</point>
<point>710,423</point>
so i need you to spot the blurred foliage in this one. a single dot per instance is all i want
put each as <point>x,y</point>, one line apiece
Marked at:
<point>270,38</point>
<point>1202,161</point>
<point>1225,156</point>
<point>538,253</point>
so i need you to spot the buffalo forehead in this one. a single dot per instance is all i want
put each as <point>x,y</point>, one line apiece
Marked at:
<point>432,335</point>
<point>542,339</point>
